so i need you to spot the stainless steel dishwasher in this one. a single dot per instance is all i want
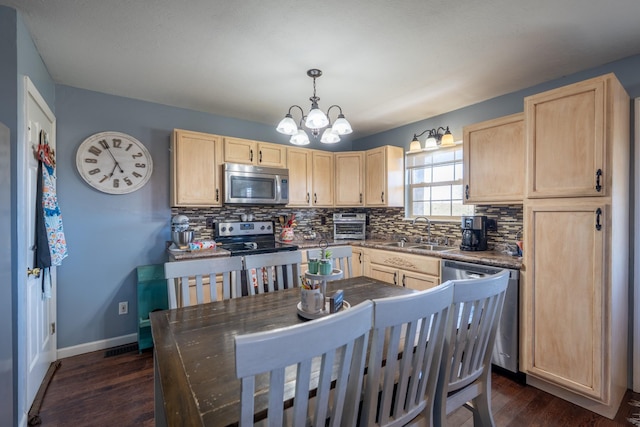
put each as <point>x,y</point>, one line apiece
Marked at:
<point>505,351</point>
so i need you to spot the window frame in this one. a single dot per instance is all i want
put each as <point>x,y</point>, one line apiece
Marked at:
<point>455,162</point>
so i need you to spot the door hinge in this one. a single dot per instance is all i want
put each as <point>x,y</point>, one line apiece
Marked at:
<point>53,328</point>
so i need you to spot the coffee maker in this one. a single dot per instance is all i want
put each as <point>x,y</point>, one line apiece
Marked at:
<point>474,233</point>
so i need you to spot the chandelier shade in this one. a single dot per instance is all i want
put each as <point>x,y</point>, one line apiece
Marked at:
<point>315,120</point>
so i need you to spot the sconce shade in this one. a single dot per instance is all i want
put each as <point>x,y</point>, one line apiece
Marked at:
<point>415,145</point>
<point>447,139</point>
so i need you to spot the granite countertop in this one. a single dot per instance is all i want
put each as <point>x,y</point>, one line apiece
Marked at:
<point>490,257</point>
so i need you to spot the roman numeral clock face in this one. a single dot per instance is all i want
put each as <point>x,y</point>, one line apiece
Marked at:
<point>114,162</point>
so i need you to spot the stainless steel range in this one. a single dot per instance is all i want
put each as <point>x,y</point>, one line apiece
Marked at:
<point>247,238</point>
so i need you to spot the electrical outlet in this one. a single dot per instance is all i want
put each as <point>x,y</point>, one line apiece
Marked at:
<point>123,307</point>
<point>209,222</point>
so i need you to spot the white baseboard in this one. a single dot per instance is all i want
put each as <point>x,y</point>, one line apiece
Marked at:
<point>96,345</point>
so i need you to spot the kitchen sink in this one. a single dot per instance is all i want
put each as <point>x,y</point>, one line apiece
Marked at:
<point>417,246</point>
<point>431,247</point>
<point>400,244</point>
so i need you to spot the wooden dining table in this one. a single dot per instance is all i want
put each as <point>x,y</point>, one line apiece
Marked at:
<point>194,356</point>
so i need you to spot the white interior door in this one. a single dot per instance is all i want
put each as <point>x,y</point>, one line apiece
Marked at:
<point>39,312</point>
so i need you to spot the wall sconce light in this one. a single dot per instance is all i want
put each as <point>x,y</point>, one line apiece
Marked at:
<point>436,138</point>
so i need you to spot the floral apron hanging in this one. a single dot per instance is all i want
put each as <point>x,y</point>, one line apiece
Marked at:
<point>51,246</point>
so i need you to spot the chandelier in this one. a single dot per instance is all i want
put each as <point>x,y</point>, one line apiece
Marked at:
<point>436,138</point>
<point>315,121</point>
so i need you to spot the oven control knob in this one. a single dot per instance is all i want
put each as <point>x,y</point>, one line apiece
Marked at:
<point>268,227</point>
<point>231,228</point>
<point>223,229</point>
<point>262,227</point>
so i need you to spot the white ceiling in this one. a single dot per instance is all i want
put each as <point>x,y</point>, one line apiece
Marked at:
<point>385,62</point>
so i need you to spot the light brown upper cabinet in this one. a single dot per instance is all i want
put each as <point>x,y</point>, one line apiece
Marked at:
<point>196,172</point>
<point>568,135</point>
<point>349,167</point>
<point>322,170</point>
<point>250,152</point>
<point>300,177</point>
<point>494,161</point>
<point>384,176</point>
<point>311,177</point>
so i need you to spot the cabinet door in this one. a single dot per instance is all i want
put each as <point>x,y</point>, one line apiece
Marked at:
<point>418,281</point>
<point>299,164</point>
<point>357,261</point>
<point>323,178</point>
<point>494,162</point>
<point>384,176</point>
<point>565,132</point>
<point>238,150</point>
<point>272,155</point>
<point>196,172</point>
<point>384,273</point>
<point>349,189</point>
<point>565,301</point>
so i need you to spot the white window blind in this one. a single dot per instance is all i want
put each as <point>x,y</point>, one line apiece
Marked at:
<point>434,184</point>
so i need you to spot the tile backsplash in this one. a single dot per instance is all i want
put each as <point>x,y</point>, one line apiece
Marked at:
<point>385,223</point>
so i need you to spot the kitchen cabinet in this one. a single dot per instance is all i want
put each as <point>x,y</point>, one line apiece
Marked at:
<point>417,272</point>
<point>300,177</point>
<point>250,152</point>
<point>384,177</point>
<point>311,177</point>
<point>349,173</point>
<point>357,261</point>
<point>568,137</point>
<point>196,172</point>
<point>494,161</point>
<point>575,276</point>
<point>322,173</point>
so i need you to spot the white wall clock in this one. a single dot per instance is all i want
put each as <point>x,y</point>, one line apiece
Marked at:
<point>114,162</point>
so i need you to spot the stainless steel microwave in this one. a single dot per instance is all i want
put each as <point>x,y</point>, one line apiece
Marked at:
<point>255,185</point>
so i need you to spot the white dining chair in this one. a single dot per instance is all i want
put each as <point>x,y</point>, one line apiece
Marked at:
<point>404,360</point>
<point>465,370</point>
<point>186,274</point>
<point>272,271</point>
<point>340,255</point>
<point>302,358</point>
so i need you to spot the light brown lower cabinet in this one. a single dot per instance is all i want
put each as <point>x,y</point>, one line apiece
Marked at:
<point>575,303</point>
<point>412,271</point>
<point>357,261</point>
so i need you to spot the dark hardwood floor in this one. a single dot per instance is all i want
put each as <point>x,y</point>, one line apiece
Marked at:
<point>94,390</point>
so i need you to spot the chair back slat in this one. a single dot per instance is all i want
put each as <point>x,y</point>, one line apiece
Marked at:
<point>184,274</point>
<point>404,359</point>
<point>280,269</point>
<point>340,255</point>
<point>465,371</point>
<point>334,348</point>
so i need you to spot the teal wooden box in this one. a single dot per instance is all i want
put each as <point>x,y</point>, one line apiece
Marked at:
<point>152,296</point>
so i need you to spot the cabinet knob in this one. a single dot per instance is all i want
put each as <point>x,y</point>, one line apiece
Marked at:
<point>382,197</point>
<point>598,215</point>
<point>217,195</point>
<point>598,176</point>
<point>260,156</point>
<point>466,191</point>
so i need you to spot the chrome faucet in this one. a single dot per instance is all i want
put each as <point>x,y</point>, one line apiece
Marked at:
<point>427,228</point>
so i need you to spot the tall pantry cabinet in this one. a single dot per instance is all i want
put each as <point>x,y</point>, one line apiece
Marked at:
<point>576,215</point>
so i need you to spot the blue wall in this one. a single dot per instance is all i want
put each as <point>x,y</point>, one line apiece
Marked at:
<point>19,58</point>
<point>627,71</point>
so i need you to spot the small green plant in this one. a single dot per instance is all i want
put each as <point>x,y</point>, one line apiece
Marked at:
<point>326,254</point>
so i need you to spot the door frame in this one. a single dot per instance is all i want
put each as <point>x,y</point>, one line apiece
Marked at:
<point>635,310</point>
<point>25,141</point>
